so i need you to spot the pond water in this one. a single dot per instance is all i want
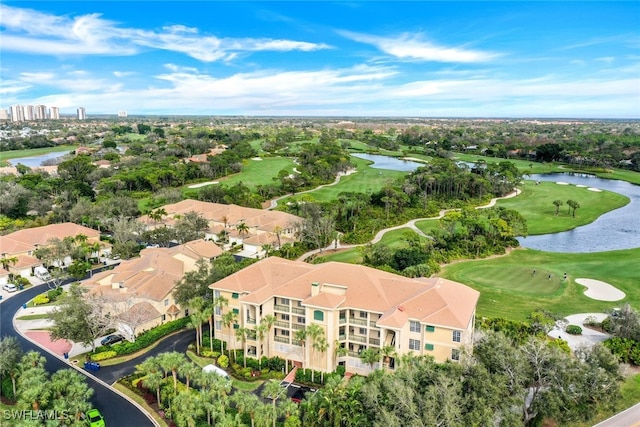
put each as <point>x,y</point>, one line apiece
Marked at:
<point>618,229</point>
<point>35,161</point>
<point>387,162</point>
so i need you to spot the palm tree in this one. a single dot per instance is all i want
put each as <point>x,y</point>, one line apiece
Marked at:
<point>369,356</point>
<point>267,323</point>
<point>242,228</point>
<point>171,362</point>
<point>10,356</point>
<point>33,388</point>
<point>267,248</point>
<point>228,319</point>
<point>277,230</point>
<point>198,316</point>
<point>315,332</point>
<point>153,375</point>
<point>247,404</point>
<point>157,215</point>
<point>557,204</point>
<point>289,408</point>
<point>242,334</point>
<point>273,390</point>
<point>221,302</point>
<point>6,261</point>
<point>186,407</point>
<point>301,335</point>
<point>338,351</point>
<point>70,392</point>
<point>190,372</point>
<point>573,205</point>
<point>387,352</point>
<point>321,345</point>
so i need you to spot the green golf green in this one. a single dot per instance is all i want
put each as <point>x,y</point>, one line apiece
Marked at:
<point>518,279</point>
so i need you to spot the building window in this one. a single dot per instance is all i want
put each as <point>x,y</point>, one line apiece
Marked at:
<point>430,328</point>
<point>456,336</point>
<point>218,325</point>
<point>164,317</point>
<point>236,326</point>
<point>216,294</point>
<point>236,311</point>
<point>318,315</point>
<point>428,347</point>
<point>166,302</point>
<point>414,326</point>
<point>301,320</point>
<point>363,331</point>
<point>455,354</point>
<point>284,301</point>
<point>218,310</point>
<point>285,317</point>
<point>235,295</point>
<point>363,314</point>
<point>414,344</point>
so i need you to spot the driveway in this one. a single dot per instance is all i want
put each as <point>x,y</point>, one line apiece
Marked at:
<point>588,337</point>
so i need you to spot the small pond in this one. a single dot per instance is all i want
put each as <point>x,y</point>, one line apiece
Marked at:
<point>387,162</point>
<point>35,161</point>
<point>615,230</point>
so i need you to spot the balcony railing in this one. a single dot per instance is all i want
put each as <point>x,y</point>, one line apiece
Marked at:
<point>356,321</point>
<point>281,324</point>
<point>297,326</point>
<point>342,337</point>
<point>372,323</point>
<point>358,338</point>
<point>297,310</point>
<point>374,341</point>
<point>297,342</point>
<point>353,353</point>
<point>279,307</point>
<point>279,338</point>
<point>251,321</point>
<point>343,320</point>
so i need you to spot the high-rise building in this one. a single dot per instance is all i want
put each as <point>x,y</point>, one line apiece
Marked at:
<point>122,114</point>
<point>41,112</point>
<point>54,113</point>
<point>4,114</point>
<point>29,112</point>
<point>82,114</point>
<point>17,113</point>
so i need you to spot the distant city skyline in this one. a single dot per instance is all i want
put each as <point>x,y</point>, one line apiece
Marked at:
<point>422,59</point>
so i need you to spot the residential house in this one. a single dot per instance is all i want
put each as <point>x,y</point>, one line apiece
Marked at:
<point>261,227</point>
<point>20,245</point>
<point>356,307</point>
<point>140,290</point>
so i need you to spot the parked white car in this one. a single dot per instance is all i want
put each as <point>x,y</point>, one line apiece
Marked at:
<point>9,287</point>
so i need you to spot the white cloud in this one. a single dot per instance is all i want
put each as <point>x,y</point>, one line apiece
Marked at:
<point>579,62</point>
<point>606,59</point>
<point>413,47</point>
<point>33,32</point>
<point>123,73</point>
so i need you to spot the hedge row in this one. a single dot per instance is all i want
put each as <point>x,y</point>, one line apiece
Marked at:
<point>146,338</point>
<point>627,350</point>
<point>103,355</point>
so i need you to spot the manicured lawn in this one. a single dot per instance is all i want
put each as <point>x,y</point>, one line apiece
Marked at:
<point>536,205</point>
<point>259,172</point>
<point>34,317</point>
<point>14,154</point>
<point>133,136</point>
<point>508,289</point>
<point>427,226</point>
<point>365,180</point>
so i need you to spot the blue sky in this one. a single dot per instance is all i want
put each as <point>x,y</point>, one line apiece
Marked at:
<point>375,58</point>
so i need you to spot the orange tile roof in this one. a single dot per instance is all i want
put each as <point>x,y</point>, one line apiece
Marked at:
<point>398,298</point>
<point>29,238</point>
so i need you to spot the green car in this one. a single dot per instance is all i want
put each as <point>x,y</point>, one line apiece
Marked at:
<point>95,418</point>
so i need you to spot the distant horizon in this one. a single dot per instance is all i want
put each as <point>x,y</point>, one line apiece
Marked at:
<point>323,59</point>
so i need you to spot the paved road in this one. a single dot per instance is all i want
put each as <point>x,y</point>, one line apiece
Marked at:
<point>117,411</point>
<point>628,418</point>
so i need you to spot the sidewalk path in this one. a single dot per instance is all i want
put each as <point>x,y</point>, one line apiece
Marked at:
<point>335,244</point>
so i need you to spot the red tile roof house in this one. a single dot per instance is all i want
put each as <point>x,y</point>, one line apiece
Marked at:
<point>22,244</point>
<point>140,290</point>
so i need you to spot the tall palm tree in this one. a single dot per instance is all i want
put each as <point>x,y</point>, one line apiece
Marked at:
<point>321,345</point>
<point>338,351</point>
<point>242,228</point>
<point>273,390</point>
<point>277,230</point>
<point>187,408</point>
<point>301,335</point>
<point>171,362</point>
<point>267,322</point>
<point>70,392</point>
<point>557,204</point>
<point>153,376</point>
<point>315,332</point>
<point>242,334</point>
<point>221,302</point>
<point>247,404</point>
<point>228,319</point>
<point>33,387</point>
<point>10,356</point>
<point>387,352</point>
<point>6,261</point>
<point>369,356</point>
<point>190,372</point>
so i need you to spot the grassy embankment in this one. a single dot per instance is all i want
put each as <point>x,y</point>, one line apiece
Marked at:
<point>16,154</point>
<point>259,172</point>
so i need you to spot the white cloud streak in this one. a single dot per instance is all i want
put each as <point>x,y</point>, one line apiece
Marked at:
<point>33,32</point>
<point>413,47</point>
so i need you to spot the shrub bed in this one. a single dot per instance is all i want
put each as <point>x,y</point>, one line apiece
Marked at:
<point>145,339</point>
<point>103,355</point>
<point>41,299</point>
<point>627,350</point>
<point>574,330</point>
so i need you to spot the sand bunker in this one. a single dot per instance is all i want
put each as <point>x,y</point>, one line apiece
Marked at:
<point>581,186</point>
<point>594,189</point>
<point>562,183</point>
<point>601,291</point>
<point>256,158</point>
<point>203,184</point>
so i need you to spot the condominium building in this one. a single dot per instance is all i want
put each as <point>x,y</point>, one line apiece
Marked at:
<point>4,114</point>
<point>353,308</point>
<point>54,113</point>
<point>29,112</point>
<point>122,114</point>
<point>40,112</point>
<point>81,113</point>
<point>17,113</point>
